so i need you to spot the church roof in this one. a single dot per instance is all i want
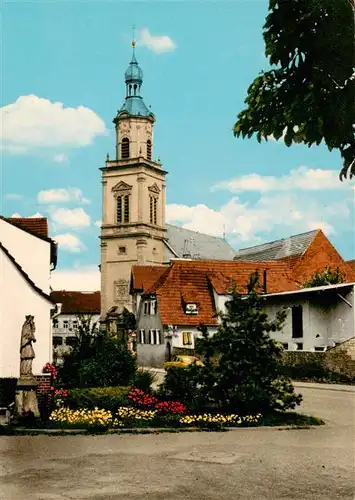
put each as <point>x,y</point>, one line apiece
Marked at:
<point>194,245</point>
<point>135,106</point>
<point>293,246</point>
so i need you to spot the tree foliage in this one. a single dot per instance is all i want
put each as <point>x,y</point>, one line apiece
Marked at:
<point>326,277</point>
<point>241,369</point>
<point>97,359</point>
<point>309,94</point>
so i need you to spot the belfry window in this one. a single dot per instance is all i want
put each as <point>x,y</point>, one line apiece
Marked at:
<point>125,148</point>
<point>153,204</point>
<point>149,149</point>
<point>123,209</point>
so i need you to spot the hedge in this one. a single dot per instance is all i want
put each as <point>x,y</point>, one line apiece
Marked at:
<point>108,398</point>
<point>330,366</point>
<point>7,390</point>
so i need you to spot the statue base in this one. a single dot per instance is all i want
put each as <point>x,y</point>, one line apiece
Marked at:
<point>26,397</point>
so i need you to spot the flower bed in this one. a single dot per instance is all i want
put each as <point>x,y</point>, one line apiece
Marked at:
<point>134,417</point>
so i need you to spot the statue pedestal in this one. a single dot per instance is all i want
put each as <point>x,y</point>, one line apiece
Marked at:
<point>26,397</point>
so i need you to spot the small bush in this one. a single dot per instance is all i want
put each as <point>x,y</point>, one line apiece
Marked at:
<point>107,398</point>
<point>144,379</point>
<point>7,390</point>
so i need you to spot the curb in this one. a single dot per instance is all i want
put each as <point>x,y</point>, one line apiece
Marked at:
<point>146,430</point>
<point>324,387</point>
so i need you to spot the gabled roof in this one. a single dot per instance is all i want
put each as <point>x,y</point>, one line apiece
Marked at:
<point>293,246</point>
<point>144,277</point>
<point>77,302</point>
<point>197,245</point>
<point>194,281</point>
<point>25,275</point>
<point>37,226</point>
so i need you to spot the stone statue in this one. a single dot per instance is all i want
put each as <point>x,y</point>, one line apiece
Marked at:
<point>26,396</point>
<point>27,353</point>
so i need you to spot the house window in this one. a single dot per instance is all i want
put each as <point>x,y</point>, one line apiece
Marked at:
<point>57,341</point>
<point>122,209</point>
<point>66,324</point>
<point>122,250</point>
<point>75,325</point>
<point>154,337</point>
<point>297,322</point>
<point>187,338</point>
<point>285,346</point>
<point>299,346</point>
<point>70,341</point>
<point>149,149</point>
<point>150,308</point>
<point>142,336</point>
<point>125,148</point>
<point>319,349</point>
<point>55,323</point>
<point>191,309</point>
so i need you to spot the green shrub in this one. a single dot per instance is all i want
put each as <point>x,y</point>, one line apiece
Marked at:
<point>108,398</point>
<point>97,359</point>
<point>143,380</point>
<point>7,390</point>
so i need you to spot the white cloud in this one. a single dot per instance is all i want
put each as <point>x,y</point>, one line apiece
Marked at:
<point>61,195</point>
<point>85,279</point>
<point>33,122</point>
<point>60,158</point>
<point>69,242</point>
<point>302,178</point>
<point>37,215</point>
<point>279,214</point>
<point>98,223</point>
<point>16,215</point>
<point>66,217</point>
<point>156,43</point>
<point>13,196</point>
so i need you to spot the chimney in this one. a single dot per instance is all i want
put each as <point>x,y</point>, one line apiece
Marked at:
<point>265,281</point>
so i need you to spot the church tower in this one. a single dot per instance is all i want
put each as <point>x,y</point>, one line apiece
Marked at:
<point>133,194</point>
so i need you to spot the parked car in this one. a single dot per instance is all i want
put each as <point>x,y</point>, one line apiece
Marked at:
<point>182,362</point>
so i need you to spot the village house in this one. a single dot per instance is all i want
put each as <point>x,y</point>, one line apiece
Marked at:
<point>71,308</point>
<point>28,256</point>
<point>171,302</point>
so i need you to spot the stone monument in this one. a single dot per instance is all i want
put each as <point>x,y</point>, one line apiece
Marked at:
<point>26,396</point>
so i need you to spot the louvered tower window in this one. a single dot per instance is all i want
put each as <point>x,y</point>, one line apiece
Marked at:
<point>125,148</point>
<point>123,209</point>
<point>149,149</point>
<point>153,203</point>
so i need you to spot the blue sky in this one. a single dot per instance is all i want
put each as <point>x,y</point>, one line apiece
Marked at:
<point>198,60</point>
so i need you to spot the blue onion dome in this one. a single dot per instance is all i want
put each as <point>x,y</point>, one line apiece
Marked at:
<point>133,72</point>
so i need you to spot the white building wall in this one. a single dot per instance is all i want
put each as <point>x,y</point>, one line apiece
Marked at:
<point>341,325</point>
<point>18,299</point>
<point>32,253</point>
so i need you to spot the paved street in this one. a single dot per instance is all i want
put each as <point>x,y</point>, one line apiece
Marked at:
<point>265,464</point>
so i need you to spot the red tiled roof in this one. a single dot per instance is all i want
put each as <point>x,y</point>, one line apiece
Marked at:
<point>36,226</point>
<point>194,280</point>
<point>190,281</point>
<point>144,277</point>
<point>77,302</point>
